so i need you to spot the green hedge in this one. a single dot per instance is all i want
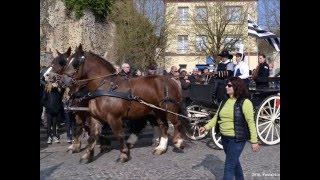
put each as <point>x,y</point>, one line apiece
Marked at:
<point>100,8</point>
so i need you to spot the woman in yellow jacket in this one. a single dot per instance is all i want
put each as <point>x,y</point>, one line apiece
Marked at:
<point>236,123</point>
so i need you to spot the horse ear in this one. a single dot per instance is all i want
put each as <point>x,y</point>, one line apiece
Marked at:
<point>80,47</point>
<point>58,52</point>
<point>68,51</point>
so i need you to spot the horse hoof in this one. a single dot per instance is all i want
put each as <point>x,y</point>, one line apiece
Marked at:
<point>122,160</point>
<point>85,161</point>
<point>158,152</point>
<point>155,144</point>
<point>70,151</point>
<point>130,146</point>
<point>179,147</point>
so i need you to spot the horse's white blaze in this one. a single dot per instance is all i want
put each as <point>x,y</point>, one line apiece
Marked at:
<point>163,143</point>
<point>178,144</point>
<point>49,69</point>
<point>70,61</point>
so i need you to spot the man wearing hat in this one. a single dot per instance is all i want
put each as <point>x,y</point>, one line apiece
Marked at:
<point>224,71</point>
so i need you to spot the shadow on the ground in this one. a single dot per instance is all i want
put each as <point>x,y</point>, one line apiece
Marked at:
<point>213,164</point>
<point>45,173</point>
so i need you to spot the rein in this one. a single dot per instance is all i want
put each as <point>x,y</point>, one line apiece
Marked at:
<point>165,110</point>
<point>89,79</point>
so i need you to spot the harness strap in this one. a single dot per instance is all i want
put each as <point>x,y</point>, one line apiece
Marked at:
<point>130,94</point>
<point>122,95</point>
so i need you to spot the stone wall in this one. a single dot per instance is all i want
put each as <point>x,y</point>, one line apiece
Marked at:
<point>59,32</point>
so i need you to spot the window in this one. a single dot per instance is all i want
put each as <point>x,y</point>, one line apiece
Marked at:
<point>233,14</point>
<point>201,15</point>
<point>183,15</point>
<point>200,42</point>
<point>233,43</point>
<point>182,44</point>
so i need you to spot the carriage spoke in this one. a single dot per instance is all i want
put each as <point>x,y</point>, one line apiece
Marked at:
<point>265,128</point>
<point>271,124</point>
<point>194,131</point>
<point>274,106</point>
<point>197,130</point>
<point>264,110</point>
<point>219,139</point>
<point>269,106</point>
<point>278,109</point>
<point>278,125</point>
<point>265,117</point>
<point>272,132</point>
<point>263,123</point>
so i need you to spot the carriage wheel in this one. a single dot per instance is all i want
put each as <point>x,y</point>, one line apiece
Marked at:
<point>200,116</point>
<point>268,120</point>
<point>216,137</point>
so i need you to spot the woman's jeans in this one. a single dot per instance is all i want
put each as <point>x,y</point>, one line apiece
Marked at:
<point>233,150</point>
<point>52,122</point>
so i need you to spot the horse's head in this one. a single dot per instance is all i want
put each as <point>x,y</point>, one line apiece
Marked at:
<point>73,67</point>
<point>84,65</point>
<point>59,62</point>
<point>55,69</point>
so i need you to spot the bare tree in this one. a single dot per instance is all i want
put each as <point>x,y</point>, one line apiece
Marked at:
<point>154,10</point>
<point>140,33</point>
<point>218,27</point>
<point>269,19</point>
<point>269,15</point>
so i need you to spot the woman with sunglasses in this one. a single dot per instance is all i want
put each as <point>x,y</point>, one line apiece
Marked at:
<point>236,123</point>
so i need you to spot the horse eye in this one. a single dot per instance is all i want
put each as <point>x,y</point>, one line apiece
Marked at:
<point>62,62</point>
<point>75,63</point>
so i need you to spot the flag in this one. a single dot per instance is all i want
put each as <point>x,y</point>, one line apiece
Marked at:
<point>258,32</point>
<point>255,30</point>
<point>275,42</point>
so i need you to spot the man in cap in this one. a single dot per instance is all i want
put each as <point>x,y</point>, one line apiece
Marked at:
<point>224,71</point>
<point>152,69</point>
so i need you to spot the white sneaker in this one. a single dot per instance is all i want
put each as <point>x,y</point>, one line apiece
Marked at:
<point>56,140</point>
<point>69,140</point>
<point>49,140</point>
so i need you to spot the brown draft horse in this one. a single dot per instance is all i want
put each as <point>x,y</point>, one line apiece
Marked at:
<point>122,104</point>
<point>83,118</point>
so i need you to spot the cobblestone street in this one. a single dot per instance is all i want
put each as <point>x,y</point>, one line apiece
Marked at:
<point>200,160</point>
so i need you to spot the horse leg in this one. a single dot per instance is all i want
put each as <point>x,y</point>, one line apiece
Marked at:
<point>135,128</point>
<point>177,139</point>
<point>95,131</point>
<point>117,129</point>
<point>76,143</point>
<point>162,147</point>
<point>156,131</point>
<point>105,144</point>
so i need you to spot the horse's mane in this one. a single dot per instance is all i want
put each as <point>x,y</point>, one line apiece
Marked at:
<point>103,61</point>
